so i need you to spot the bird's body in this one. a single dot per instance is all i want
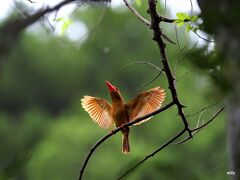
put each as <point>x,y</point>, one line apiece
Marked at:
<point>120,116</point>
<point>120,112</point>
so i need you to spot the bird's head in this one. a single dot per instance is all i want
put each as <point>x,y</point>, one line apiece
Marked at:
<point>114,91</point>
<point>111,87</point>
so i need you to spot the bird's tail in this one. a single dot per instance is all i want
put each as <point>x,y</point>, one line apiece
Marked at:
<point>125,143</point>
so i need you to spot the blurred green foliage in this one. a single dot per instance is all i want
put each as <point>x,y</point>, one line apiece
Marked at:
<point>45,134</point>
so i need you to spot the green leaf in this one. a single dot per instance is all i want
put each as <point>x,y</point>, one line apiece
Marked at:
<point>188,28</point>
<point>66,22</point>
<point>180,24</point>
<point>138,2</point>
<point>183,16</point>
<point>60,19</point>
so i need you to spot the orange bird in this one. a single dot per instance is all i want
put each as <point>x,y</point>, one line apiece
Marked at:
<point>120,112</point>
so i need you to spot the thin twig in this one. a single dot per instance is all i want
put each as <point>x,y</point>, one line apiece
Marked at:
<point>159,73</point>
<point>193,114</point>
<point>167,106</point>
<point>200,127</point>
<point>197,129</point>
<point>135,62</point>
<point>179,57</point>
<point>208,40</point>
<point>167,38</point>
<point>98,21</point>
<point>145,21</point>
<point>31,1</point>
<point>49,24</point>
<point>179,60</point>
<point>134,11</point>
<point>183,76</point>
<point>23,23</point>
<point>140,62</point>
<point>178,44</point>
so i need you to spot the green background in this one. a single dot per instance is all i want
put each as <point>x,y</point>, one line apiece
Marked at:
<point>45,133</point>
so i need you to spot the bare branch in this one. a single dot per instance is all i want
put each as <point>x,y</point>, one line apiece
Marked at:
<point>183,76</point>
<point>205,124</point>
<point>208,40</point>
<point>178,44</point>
<point>170,142</point>
<point>193,114</point>
<point>10,31</point>
<point>31,1</point>
<point>167,38</point>
<point>155,26</point>
<point>179,59</point>
<point>134,11</point>
<point>197,129</point>
<point>145,21</point>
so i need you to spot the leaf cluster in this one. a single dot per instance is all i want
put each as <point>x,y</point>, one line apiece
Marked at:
<point>186,19</point>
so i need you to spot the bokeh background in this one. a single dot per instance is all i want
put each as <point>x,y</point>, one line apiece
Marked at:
<point>46,134</point>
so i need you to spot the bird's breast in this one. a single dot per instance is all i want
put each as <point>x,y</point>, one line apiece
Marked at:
<point>119,115</point>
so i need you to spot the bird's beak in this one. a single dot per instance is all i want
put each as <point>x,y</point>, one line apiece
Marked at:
<point>110,86</point>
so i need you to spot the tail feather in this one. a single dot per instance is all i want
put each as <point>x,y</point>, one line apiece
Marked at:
<point>125,143</point>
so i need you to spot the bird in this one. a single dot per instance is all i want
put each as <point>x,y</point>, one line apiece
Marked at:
<point>119,112</point>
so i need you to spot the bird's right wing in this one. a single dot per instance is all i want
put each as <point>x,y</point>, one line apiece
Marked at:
<point>99,110</point>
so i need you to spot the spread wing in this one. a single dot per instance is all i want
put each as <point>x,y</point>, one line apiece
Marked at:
<point>145,103</point>
<point>99,110</point>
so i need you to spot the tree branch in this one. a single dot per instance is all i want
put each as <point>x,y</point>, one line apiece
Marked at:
<point>205,124</point>
<point>31,1</point>
<point>10,31</point>
<point>167,106</point>
<point>157,37</point>
<point>170,142</point>
<point>198,128</point>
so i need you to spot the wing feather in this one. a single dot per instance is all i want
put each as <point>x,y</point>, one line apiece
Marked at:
<point>99,110</point>
<point>145,103</point>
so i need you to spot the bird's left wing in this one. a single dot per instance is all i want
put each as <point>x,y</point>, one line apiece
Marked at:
<point>99,110</point>
<point>145,103</point>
